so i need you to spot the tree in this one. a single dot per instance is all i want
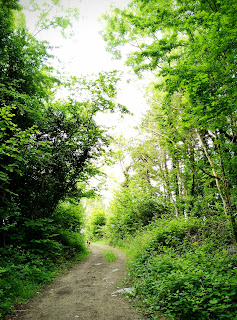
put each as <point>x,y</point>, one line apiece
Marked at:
<point>50,15</point>
<point>191,46</point>
<point>49,147</point>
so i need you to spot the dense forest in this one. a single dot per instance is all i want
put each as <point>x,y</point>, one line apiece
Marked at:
<point>175,211</point>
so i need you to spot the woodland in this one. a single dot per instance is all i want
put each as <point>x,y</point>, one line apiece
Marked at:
<point>175,211</point>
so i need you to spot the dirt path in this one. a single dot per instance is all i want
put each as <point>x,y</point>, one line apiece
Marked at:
<point>84,293</point>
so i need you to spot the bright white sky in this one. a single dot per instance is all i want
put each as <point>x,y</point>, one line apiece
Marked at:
<point>85,54</point>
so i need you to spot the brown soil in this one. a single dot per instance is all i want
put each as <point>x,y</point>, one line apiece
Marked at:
<point>84,293</point>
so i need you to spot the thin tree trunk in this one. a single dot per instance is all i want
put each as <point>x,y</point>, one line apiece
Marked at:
<point>173,201</point>
<point>227,195</point>
<point>164,171</point>
<point>177,187</point>
<point>217,178</point>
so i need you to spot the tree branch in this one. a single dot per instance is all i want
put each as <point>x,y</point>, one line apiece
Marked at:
<point>158,133</point>
<point>209,174</point>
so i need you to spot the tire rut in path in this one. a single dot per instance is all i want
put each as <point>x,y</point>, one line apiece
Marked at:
<point>84,293</point>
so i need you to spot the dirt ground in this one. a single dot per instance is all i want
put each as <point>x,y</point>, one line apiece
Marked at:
<point>86,292</point>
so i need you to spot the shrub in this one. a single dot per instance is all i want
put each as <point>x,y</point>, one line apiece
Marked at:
<point>132,209</point>
<point>96,224</point>
<point>21,273</point>
<point>110,256</point>
<point>69,215</point>
<point>52,243</point>
<point>69,219</point>
<point>182,268</point>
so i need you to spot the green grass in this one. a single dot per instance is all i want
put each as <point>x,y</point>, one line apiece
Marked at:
<point>110,256</point>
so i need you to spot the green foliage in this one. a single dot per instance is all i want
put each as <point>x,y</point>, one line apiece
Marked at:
<point>110,256</point>
<point>49,149</point>
<point>69,219</point>
<point>21,273</point>
<point>49,243</point>
<point>132,208</point>
<point>183,269</point>
<point>69,215</point>
<point>51,15</point>
<point>192,121</point>
<point>96,223</point>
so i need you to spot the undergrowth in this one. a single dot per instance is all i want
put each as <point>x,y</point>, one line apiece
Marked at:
<point>185,269</point>
<point>23,273</point>
<point>110,256</point>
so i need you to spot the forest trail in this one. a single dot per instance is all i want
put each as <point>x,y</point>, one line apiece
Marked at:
<point>84,293</point>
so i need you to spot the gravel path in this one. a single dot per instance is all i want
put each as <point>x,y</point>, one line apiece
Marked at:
<point>84,293</point>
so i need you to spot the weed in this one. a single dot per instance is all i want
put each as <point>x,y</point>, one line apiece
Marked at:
<point>110,256</point>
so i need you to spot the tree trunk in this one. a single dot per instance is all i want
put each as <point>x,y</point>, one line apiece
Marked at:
<point>217,178</point>
<point>165,175</point>
<point>227,195</point>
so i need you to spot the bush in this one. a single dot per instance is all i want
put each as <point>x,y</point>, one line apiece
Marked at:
<point>96,224</point>
<point>21,273</point>
<point>110,256</point>
<point>69,219</point>
<point>52,243</point>
<point>69,215</point>
<point>132,208</point>
<point>182,268</point>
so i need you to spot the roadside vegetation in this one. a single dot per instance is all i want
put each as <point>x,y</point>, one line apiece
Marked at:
<point>110,256</point>
<point>184,268</point>
<point>180,267</point>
